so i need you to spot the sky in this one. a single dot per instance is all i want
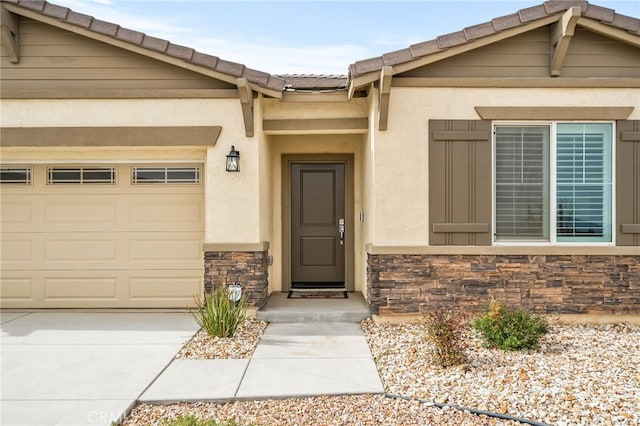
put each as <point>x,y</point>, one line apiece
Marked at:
<point>304,37</point>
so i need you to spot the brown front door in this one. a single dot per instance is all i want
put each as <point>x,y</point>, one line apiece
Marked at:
<point>317,224</point>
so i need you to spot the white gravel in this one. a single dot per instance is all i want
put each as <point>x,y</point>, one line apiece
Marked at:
<point>240,346</point>
<point>581,375</point>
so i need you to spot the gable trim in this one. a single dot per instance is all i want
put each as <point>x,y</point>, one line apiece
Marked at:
<point>606,30</point>
<point>554,113</point>
<point>508,82</point>
<point>10,30</point>
<point>315,125</point>
<point>120,94</point>
<point>110,136</point>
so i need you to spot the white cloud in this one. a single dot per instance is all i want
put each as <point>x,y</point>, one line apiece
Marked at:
<point>275,59</point>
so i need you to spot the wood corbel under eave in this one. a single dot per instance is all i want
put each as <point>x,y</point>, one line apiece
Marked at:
<point>246,102</point>
<point>561,35</point>
<point>386,74</point>
<point>10,33</point>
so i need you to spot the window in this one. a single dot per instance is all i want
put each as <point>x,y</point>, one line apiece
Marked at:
<point>15,175</point>
<point>81,175</point>
<point>553,183</point>
<point>165,175</point>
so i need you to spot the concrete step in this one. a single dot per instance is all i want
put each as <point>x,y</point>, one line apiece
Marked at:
<point>279,309</point>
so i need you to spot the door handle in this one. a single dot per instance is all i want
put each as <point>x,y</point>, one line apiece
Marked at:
<point>341,230</point>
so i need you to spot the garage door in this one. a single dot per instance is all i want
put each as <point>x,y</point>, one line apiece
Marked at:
<point>110,236</point>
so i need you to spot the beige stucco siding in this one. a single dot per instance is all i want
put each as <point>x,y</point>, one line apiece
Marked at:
<point>401,152</point>
<point>231,200</point>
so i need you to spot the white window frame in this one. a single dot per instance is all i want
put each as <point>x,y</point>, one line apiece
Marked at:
<point>553,136</point>
<point>50,169</point>
<point>27,169</point>
<point>166,169</point>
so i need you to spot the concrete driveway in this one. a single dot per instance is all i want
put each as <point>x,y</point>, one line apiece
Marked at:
<point>82,368</point>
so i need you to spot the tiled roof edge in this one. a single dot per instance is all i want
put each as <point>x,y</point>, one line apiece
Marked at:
<point>186,54</point>
<point>443,42</point>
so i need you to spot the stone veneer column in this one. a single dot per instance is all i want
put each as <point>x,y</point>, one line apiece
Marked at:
<point>249,268</point>
<point>410,284</point>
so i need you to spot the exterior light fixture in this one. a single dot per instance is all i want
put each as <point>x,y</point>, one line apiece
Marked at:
<point>233,160</point>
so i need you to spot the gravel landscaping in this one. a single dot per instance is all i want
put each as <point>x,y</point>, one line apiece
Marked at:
<point>581,375</point>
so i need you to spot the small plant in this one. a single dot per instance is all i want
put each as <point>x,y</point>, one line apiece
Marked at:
<point>445,330</point>
<point>511,328</point>
<point>191,420</point>
<point>217,314</point>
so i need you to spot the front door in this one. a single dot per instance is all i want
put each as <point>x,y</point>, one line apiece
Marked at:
<point>317,225</point>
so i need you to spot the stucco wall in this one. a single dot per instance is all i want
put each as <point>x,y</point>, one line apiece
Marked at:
<point>401,152</point>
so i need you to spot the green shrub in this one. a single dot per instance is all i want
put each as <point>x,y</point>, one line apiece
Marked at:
<point>445,330</point>
<point>191,420</point>
<point>217,314</point>
<point>511,328</point>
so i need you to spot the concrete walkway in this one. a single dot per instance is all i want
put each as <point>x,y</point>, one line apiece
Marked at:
<point>90,368</point>
<point>291,360</point>
<point>75,368</point>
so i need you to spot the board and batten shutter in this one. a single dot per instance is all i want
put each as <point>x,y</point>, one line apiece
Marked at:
<point>628,182</point>
<point>460,182</point>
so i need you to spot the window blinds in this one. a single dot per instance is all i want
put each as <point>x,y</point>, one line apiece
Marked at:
<point>522,183</point>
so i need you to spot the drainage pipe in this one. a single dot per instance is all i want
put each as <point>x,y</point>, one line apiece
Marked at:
<point>470,410</point>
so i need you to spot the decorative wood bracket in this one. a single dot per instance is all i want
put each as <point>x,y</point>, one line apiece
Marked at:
<point>10,31</point>
<point>246,102</point>
<point>385,91</point>
<point>561,34</point>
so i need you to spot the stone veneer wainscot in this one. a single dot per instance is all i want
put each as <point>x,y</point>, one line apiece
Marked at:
<point>410,284</point>
<point>250,268</point>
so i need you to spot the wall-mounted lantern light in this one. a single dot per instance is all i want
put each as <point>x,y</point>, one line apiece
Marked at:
<point>233,160</point>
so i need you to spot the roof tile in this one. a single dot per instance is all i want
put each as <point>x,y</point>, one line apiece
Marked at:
<point>600,13</point>
<point>56,11</point>
<point>532,13</point>
<point>204,60</point>
<point>424,48</point>
<point>104,27</point>
<point>231,68</point>
<point>130,36</point>
<point>505,22</point>
<point>368,65</point>
<point>155,43</point>
<point>560,6</point>
<point>477,31</point>
<point>626,23</point>
<point>256,76</point>
<point>179,51</point>
<point>397,57</point>
<point>452,39</point>
<point>275,83</point>
<point>79,19</point>
<point>33,4</point>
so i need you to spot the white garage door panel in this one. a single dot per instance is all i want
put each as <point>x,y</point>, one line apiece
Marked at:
<point>104,246</point>
<point>79,251</point>
<point>83,287</point>
<point>175,287</point>
<point>180,212</point>
<point>16,211</point>
<point>17,252</point>
<point>16,289</point>
<point>163,250</point>
<point>90,209</point>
